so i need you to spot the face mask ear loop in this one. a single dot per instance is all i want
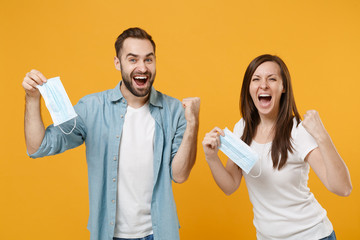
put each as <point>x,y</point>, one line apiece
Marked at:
<point>71,129</point>
<point>259,171</point>
<point>260,164</point>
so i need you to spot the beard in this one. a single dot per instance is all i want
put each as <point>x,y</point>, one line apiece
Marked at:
<point>127,79</point>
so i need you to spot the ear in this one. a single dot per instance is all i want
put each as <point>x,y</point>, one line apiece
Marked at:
<point>117,63</point>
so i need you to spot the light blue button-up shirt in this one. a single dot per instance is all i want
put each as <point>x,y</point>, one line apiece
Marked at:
<point>99,123</point>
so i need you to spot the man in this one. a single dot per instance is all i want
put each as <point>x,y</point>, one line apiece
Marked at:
<point>137,140</point>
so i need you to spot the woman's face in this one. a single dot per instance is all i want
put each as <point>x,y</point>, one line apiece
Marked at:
<point>266,87</point>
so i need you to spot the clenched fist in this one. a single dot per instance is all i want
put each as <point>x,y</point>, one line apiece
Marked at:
<point>192,109</point>
<point>313,124</point>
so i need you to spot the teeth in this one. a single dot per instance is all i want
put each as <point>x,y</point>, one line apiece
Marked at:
<point>264,95</point>
<point>140,78</point>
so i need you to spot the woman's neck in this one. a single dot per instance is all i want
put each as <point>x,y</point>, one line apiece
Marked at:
<point>265,131</point>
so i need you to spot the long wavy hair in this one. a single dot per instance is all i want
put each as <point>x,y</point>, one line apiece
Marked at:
<point>281,143</point>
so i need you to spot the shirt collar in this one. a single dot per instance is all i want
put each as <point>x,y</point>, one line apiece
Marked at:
<point>155,96</point>
<point>116,94</point>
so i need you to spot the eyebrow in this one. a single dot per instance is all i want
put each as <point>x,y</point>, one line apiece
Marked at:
<point>267,76</point>
<point>135,55</point>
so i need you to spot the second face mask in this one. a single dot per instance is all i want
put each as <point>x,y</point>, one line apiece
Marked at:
<point>238,151</point>
<point>57,101</point>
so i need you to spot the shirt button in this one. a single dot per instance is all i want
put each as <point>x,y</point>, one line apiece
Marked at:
<point>117,136</point>
<point>114,158</point>
<point>123,101</point>
<point>113,201</point>
<point>111,223</point>
<point>114,179</point>
<point>122,116</point>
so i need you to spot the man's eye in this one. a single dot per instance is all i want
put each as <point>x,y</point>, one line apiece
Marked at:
<point>132,60</point>
<point>149,60</point>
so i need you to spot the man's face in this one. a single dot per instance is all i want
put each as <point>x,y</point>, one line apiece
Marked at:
<point>137,66</point>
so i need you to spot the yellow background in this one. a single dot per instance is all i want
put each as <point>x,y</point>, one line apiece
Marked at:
<point>203,48</point>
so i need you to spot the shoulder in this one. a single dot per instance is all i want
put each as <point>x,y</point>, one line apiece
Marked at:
<point>96,97</point>
<point>166,102</point>
<point>166,99</point>
<point>295,127</point>
<point>302,141</point>
<point>239,128</point>
<point>171,109</point>
<point>92,103</point>
<point>298,131</point>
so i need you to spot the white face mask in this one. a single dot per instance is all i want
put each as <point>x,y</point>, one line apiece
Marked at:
<point>57,101</point>
<point>238,151</point>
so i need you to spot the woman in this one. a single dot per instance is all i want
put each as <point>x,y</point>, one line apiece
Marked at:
<point>284,207</point>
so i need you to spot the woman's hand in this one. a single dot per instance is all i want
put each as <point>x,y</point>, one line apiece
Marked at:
<point>313,124</point>
<point>211,143</point>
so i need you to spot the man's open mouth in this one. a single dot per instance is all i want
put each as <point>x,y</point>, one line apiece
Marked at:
<point>140,80</point>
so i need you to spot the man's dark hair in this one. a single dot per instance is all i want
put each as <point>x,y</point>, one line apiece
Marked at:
<point>132,33</point>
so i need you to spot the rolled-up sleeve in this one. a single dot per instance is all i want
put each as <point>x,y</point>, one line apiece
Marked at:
<point>178,134</point>
<point>55,141</point>
<point>179,130</point>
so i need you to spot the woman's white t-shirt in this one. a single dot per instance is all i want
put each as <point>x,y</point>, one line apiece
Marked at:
<point>284,207</point>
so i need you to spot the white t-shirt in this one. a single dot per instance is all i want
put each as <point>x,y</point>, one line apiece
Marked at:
<point>135,175</point>
<point>284,207</point>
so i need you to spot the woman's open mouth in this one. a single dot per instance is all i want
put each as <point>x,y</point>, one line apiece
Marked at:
<point>264,99</point>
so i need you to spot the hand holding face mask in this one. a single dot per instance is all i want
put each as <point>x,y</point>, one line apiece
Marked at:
<point>238,151</point>
<point>57,101</point>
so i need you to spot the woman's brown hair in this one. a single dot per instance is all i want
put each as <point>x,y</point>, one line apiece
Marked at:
<point>281,143</point>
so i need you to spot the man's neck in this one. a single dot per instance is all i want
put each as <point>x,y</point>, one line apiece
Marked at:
<point>132,100</point>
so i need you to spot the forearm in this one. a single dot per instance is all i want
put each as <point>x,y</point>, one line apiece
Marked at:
<point>337,173</point>
<point>33,124</point>
<point>222,176</point>
<point>185,157</point>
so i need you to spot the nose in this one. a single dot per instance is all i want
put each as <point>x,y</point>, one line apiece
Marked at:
<point>141,67</point>
<point>264,84</point>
